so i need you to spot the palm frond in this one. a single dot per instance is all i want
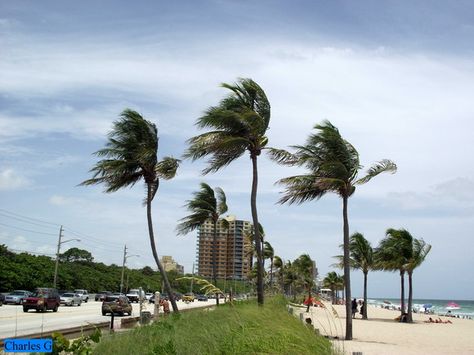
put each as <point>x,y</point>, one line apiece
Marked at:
<point>380,167</point>
<point>166,168</point>
<point>207,287</point>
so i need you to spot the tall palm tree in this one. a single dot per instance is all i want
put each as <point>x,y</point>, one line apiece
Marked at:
<point>129,156</point>
<point>361,258</point>
<point>237,125</point>
<point>207,204</point>
<point>333,166</point>
<point>392,254</point>
<point>278,265</point>
<point>269,253</point>
<point>419,252</point>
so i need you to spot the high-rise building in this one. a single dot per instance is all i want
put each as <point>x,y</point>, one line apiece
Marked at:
<point>170,265</point>
<point>231,263</point>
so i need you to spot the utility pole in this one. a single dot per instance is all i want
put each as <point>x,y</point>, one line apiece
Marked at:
<point>57,257</point>
<point>125,257</point>
<point>57,253</point>
<point>123,266</point>
<point>191,290</point>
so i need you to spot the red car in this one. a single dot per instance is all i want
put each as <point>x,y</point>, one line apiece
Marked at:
<point>42,299</point>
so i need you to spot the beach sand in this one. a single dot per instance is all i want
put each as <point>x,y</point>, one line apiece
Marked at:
<point>381,334</point>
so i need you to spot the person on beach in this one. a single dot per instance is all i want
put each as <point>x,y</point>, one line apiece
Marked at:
<point>362,307</point>
<point>354,308</point>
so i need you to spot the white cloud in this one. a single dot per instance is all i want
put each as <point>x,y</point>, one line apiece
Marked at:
<point>11,180</point>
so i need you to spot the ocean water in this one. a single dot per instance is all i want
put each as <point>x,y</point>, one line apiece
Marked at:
<point>438,306</point>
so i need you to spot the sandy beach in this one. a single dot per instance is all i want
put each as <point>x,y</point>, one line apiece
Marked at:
<point>380,334</point>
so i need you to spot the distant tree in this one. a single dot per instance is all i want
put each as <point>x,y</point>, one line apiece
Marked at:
<point>269,253</point>
<point>304,267</point>
<point>76,254</point>
<point>148,271</point>
<point>333,166</point>
<point>332,281</point>
<point>130,155</point>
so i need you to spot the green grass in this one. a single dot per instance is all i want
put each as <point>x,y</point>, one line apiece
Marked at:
<point>242,329</point>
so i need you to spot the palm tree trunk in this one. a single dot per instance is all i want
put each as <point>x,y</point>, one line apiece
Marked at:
<point>214,259</point>
<point>153,249</point>
<point>410,297</point>
<point>271,272</point>
<point>347,276</point>
<point>364,315</point>
<point>258,245</point>
<point>402,292</point>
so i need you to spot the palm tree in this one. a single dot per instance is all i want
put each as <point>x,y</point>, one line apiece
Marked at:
<point>207,204</point>
<point>269,253</point>
<point>361,258</point>
<point>332,281</point>
<point>305,268</point>
<point>129,156</point>
<point>419,252</point>
<point>333,165</point>
<point>392,254</point>
<point>401,251</point>
<point>238,124</point>
<point>278,265</point>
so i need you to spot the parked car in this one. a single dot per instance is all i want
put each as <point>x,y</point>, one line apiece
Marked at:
<point>84,295</point>
<point>148,295</point>
<point>135,294</point>
<point>16,297</point>
<point>70,299</point>
<point>100,296</point>
<point>116,304</point>
<point>2,299</point>
<point>41,300</point>
<point>202,298</point>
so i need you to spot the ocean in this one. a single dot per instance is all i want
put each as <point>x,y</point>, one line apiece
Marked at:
<point>438,306</point>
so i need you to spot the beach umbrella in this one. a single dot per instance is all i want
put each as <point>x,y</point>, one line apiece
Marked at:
<point>452,305</point>
<point>428,305</point>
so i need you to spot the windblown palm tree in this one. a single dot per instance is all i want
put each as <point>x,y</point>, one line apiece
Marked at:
<point>361,258</point>
<point>305,268</point>
<point>392,254</point>
<point>237,125</point>
<point>207,204</point>
<point>269,253</point>
<point>278,265</point>
<point>333,166</point>
<point>129,156</point>
<point>332,281</point>
<point>401,251</point>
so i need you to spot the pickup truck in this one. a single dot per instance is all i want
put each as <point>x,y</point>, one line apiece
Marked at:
<point>134,295</point>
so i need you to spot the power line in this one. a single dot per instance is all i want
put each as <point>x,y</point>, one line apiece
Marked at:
<point>31,252</point>
<point>26,230</point>
<point>24,221</point>
<point>29,218</point>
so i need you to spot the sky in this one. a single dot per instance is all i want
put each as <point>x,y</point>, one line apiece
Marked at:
<point>396,78</point>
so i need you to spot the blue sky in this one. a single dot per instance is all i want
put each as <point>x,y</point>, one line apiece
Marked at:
<point>395,77</point>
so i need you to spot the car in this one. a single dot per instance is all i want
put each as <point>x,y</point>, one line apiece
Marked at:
<point>188,297</point>
<point>148,295</point>
<point>202,298</point>
<point>100,296</point>
<point>16,297</point>
<point>116,304</point>
<point>2,299</point>
<point>42,299</point>
<point>70,299</point>
<point>135,294</point>
<point>84,295</point>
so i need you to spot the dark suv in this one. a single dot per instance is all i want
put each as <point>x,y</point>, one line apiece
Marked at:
<point>116,304</point>
<point>42,299</point>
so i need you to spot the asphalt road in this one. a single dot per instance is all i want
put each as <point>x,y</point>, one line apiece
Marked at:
<point>14,322</point>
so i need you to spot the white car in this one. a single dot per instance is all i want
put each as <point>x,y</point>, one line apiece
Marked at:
<point>71,299</point>
<point>84,295</point>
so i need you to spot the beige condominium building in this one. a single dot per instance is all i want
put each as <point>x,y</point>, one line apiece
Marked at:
<point>231,263</point>
<point>170,265</point>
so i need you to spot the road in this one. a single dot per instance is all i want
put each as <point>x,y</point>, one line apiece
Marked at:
<point>14,322</point>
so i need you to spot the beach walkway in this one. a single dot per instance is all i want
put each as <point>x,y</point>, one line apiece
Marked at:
<point>381,334</point>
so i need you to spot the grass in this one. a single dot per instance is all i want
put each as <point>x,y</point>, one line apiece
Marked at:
<point>242,329</point>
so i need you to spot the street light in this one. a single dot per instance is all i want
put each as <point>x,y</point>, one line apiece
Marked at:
<point>125,257</point>
<point>57,253</point>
